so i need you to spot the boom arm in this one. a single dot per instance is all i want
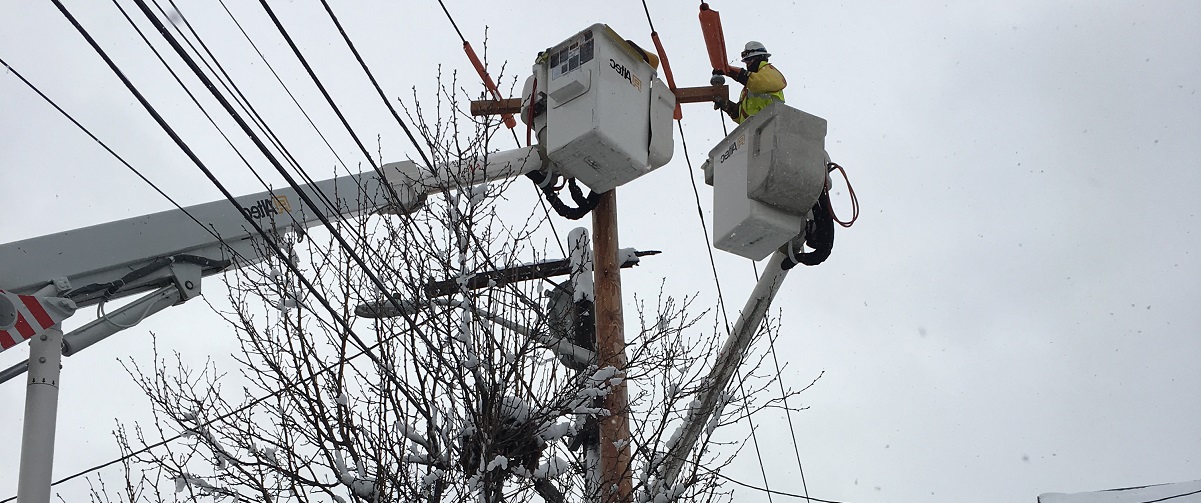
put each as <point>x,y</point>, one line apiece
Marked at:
<point>168,252</point>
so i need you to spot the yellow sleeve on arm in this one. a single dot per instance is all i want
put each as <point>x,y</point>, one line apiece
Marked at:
<point>766,80</point>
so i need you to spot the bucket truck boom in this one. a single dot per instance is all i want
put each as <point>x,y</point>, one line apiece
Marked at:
<point>45,279</point>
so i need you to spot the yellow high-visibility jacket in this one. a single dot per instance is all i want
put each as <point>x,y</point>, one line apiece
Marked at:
<point>763,86</point>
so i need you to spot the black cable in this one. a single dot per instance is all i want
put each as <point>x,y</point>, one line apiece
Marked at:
<point>553,230</point>
<point>648,16</point>
<point>329,205</point>
<point>337,110</point>
<point>227,415</point>
<point>329,99</point>
<point>768,491</point>
<point>452,21</point>
<point>249,109</point>
<point>358,341</point>
<point>584,205</point>
<point>212,178</point>
<point>379,90</point>
<point>243,102</point>
<point>258,143</point>
<point>1173,497</point>
<point>105,146</point>
<point>345,325</point>
<point>190,94</point>
<point>285,87</point>
<point>720,297</point>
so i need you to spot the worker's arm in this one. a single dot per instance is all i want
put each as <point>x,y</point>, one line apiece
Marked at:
<point>766,80</point>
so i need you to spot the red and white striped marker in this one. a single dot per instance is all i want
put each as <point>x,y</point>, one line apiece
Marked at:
<point>24,316</point>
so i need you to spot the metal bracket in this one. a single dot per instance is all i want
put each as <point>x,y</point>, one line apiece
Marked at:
<point>187,279</point>
<point>62,284</point>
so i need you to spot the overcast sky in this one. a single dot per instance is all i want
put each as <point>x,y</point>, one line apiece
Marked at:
<point>1016,311</point>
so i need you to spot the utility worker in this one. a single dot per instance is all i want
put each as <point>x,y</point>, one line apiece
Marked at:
<point>762,84</point>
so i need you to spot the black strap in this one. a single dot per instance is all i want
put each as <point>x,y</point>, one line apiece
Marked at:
<point>584,204</point>
<point>819,235</point>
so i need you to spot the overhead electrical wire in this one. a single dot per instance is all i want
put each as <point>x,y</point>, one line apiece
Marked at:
<point>717,281</point>
<point>386,372</point>
<point>232,88</point>
<point>374,83</point>
<point>123,161</point>
<point>329,99</point>
<point>243,102</point>
<point>374,279</point>
<point>258,143</point>
<point>537,192</point>
<point>208,173</point>
<point>192,96</point>
<point>108,149</point>
<point>227,415</point>
<point>329,205</point>
<point>283,85</point>
<point>721,303</point>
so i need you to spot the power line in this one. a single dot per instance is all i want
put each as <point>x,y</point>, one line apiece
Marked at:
<point>452,21</point>
<point>108,149</point>
<point>720,297</point>
<point>374,279</point>
<point>208,173</point>
<point>244,103</point>
<point>246,106</point>
<point>280,80</point>
<point>1190,493</point>
<point>222,417</point>
<point>768,491</point>
<point>364,348</point>
<point>329,205</point>
<point>189,92</point>
<point>713,265</point>
<point>321,87</point>
<point>537,192</point>
<point>374,83</point>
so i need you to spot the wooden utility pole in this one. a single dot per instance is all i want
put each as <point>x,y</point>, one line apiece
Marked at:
<point>615,476</point>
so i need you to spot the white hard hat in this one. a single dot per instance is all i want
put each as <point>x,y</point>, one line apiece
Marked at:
<point>754,49</point>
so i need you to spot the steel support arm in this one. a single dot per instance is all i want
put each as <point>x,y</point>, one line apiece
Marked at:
<point>728,361</point>
<point>127,316</point>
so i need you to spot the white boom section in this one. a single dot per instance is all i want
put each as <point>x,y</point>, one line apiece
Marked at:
<point>170,252</point>
<point>106,252</point>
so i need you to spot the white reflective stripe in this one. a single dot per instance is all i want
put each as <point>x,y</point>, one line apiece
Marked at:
<point>27,323</point>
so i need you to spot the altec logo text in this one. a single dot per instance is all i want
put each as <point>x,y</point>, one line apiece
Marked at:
<point>626,74</point>
<point>269,206</point>
<point>733,148</point>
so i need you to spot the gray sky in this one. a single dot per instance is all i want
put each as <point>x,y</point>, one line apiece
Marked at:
<point>1014,313</point>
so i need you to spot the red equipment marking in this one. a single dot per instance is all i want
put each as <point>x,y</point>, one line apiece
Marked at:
<point>35,308</point>
<point>23,327</point>
<point>6,340</point>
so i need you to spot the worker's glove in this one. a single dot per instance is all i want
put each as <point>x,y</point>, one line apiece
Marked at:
<point>740,75</point>
<point>720,103</point>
